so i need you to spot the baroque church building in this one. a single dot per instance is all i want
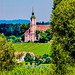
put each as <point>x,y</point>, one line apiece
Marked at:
<point>30,34</point>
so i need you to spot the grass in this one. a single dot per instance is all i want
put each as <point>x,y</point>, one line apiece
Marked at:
<point>36,48</point>
<point>20,70</point>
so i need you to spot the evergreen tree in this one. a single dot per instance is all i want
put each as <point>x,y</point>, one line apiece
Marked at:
<point>63,33</point>
<point>6,54</point>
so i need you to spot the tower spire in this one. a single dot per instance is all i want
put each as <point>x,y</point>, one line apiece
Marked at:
<point>32,11</point>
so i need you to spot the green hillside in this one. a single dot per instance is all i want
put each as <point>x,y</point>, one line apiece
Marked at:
<point>36,48</point>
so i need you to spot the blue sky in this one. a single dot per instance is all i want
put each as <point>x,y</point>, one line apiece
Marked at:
<point>22,9</point>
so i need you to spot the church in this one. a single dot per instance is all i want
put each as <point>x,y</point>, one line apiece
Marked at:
<point>30,34</point>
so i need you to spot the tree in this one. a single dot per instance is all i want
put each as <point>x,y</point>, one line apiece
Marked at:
<point>63,30</point>
<point>45,55</point>
<point>48,34</point>
<point>56,2</point>
<point>48,60</point>
<point>6,54</point>
<point>14,39</point>
<point>37,34</point>
<point>43,38</point>
<point>28,58</point>
<point>23,28</point>
<point>23,37</point>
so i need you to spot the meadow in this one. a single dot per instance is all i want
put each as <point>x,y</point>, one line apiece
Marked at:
<point>36,48</point>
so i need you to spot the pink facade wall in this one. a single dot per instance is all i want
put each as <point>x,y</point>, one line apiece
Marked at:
<point>30,37</point>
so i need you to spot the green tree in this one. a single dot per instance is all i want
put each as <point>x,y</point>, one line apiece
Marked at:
<point>45,55</point>
<point>23,37</point>
<point>48,60</point>
<point>63,30</point>
<point>23,28</point>
<point>56,2</point>
<point>37,34</point>
<point>43,38</point>
<point>48,34</point>
<point>28,58</point>
<point>14,39</point>
<point>6,54</point>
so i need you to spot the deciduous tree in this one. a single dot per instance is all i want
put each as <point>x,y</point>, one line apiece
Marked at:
<point>63,30</point>
<point>6,54</point>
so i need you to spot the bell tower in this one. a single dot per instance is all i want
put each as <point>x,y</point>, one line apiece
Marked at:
<point>33,27</point>
<point>33,22</point>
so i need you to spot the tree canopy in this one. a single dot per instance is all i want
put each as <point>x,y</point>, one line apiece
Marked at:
<point>6,54</point>
<point>63,33</point>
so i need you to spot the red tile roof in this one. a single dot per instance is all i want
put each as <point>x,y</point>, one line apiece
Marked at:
<point>42,27</point>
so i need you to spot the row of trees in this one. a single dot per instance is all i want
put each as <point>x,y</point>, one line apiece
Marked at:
<point>13,29</point>
<point>45,59</point>
<point>42,23</point>
<point>63,33</point>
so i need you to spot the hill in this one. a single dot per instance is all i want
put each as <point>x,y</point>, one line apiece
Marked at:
<point>36,48</point>
<point>14,21</point>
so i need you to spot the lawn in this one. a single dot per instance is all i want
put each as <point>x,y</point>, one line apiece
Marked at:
<point>36,48</point>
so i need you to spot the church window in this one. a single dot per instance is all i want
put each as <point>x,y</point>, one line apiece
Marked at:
<point>31,25</point>
<point>29,30</point>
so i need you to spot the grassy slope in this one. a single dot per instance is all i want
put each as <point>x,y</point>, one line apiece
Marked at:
<point>36,48</point>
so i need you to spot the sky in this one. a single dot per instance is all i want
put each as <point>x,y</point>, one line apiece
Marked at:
<point>22,9</point>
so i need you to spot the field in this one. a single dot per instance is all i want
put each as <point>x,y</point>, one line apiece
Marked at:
<point>36,48</point>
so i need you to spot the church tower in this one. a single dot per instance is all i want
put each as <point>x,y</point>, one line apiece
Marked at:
<point>33,27</point>
<point>33,22</point>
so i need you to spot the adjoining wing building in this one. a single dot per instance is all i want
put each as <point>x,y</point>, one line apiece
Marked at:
<point>31,32</point>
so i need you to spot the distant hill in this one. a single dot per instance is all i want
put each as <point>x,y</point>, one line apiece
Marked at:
<point>14,21</point>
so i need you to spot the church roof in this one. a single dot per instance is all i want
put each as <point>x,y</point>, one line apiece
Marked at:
<point>42,27</point>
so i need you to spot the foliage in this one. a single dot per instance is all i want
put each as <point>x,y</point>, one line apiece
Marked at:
<point>45,59</point>
<point>45,55</point>
<point>48,60</point>
<point>36,48</point>
<point>48,34</point>
<point>23,37</point>
<point>43,37</point>
<point>22,70</point>
<point>28,58</point>
<point>6,54</point>
<point>56,2</point>
<point>37,34</point>
<point>14,39</point>
<point>42,23</point>
<point>42,61</point>
<point>13,29</point>
<point>10,29</point>
<point>63,30</point>
<point>23,28</point>
<point>37,57</point>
